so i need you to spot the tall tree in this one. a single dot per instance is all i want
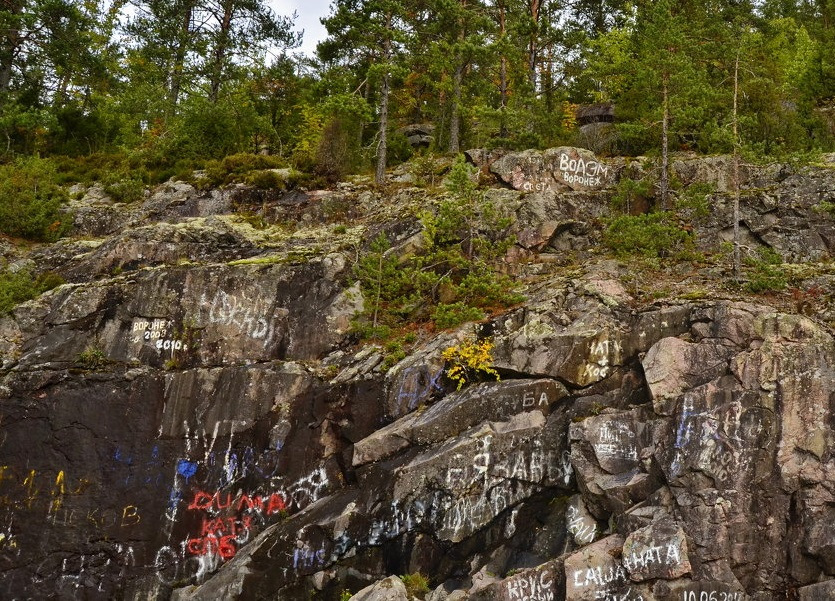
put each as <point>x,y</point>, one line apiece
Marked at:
<point>45,45</point>
<point>237,32</point>
<point>198,44</point>
<point>670,69</point>
<point>368,34</point>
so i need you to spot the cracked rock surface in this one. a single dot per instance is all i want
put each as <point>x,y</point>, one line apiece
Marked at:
<point>190,418</point>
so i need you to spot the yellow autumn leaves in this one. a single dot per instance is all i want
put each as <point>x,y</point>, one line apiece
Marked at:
<point>469,361</point>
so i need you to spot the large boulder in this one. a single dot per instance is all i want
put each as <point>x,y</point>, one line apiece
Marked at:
<point>562,168</point>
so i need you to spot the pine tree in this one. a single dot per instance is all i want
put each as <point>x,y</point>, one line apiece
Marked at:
<point>368,34</point>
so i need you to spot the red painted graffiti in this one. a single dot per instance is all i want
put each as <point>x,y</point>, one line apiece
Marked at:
<point>231,525</point>
<point>204,501</point>
<point>213,545</point>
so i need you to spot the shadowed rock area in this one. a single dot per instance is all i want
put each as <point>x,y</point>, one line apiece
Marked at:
<point>190,416</point>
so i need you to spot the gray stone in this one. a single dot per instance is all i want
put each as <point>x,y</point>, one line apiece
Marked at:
<point>388,589</point>
<point>553,169</point>
<point>595,571</point>
<point>656,551</point>
<point>673,366</point>
<point>579,523</point>
<point>489,401</point>
<point>817,592</point>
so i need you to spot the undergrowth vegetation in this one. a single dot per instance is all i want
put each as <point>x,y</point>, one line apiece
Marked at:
<point>452,278</point>
<point>21,286</point>
<point>651,235</point>
<point>469,362</point>
<point>30,201</point>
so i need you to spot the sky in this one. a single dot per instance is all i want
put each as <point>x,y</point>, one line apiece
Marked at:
<point>309,13</point>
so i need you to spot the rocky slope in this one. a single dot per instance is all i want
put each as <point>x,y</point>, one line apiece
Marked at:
<point>189,417</point>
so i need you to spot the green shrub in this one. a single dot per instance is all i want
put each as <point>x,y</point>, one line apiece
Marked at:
<point>244,167</point>
<point>30,200</point>
<point>266,180</point>
<point>452,278</point>
<point>650,235</point>
<point>766,273</point>
<point>629,192</point>
<point>453,315</point>
<point>92,357</point>
<point>416,585</point>
<point>18,287</point>
<point>825,206</point>
<point>695,199</point>
<point>394,354</point>
<point>125,189</point>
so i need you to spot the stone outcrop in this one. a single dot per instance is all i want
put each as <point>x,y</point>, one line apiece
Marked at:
<point>555,169</point>
<point>189,418</point>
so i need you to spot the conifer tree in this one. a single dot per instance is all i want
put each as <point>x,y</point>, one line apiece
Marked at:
<point>368,34</point>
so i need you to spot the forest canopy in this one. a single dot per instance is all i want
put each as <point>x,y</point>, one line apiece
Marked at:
<point>156,86</point>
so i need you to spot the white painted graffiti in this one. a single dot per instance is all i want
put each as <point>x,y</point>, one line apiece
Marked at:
<point>719,441</point>
<point>581,171</point>
<point>578,526</point>
<point>653,554</point>
<point>602,354</point>
<point>598,576</point>
<point>616,439</point>
<point>251,318</point>
<point>531,587</point>
<point>536,186</point>
<point>530,401</point>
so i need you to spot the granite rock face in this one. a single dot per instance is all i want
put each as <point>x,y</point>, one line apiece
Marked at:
<point>195,423</point>
<point>554,169</point>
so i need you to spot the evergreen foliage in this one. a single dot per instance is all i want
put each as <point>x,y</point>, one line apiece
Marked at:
<point>201,79</point>
<point>452,278</point>
<point>20,286</point>
<point>30,201</point>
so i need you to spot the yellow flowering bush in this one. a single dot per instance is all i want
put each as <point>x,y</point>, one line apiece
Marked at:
<point>469,361</point>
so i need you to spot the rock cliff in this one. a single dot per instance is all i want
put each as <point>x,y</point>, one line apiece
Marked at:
<point>189,417</point>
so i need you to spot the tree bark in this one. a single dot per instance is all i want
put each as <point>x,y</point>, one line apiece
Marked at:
<point>665,157</point>
<point>457,78</point>
<point>735,183</point>
<point>219,54</point>
<point>11,41</point>
<point>382,143</point>
<point>180,58</point>
<point>455,117</point>
<point>503,87</point>
<point>533,43</point>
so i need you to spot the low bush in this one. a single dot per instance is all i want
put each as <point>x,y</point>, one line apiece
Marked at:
<point>20,286</point>
<point>452,278</point>
<point>124,188</point>
<point>30,201</point>
<point>766,273</point>
<point>454,314</point>
<point>416,585</point>
<point>630,192</point>
<point>469,362</point>
<point>650,235</point>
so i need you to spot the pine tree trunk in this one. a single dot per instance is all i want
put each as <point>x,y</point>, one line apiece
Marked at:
<point>665,158</point>
<point>503,87</point>
<point>219,54</point>
<point>735,183</point>
<point>533,47</point>
<point>457,78</point>
<point>382,144</point>
<point>179,60</point>
<point>11,41</point>
<point>455,118</point>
